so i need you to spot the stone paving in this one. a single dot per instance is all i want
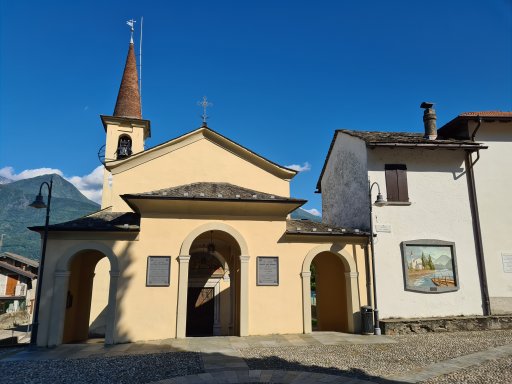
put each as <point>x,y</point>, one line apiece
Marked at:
<point>222,361</point>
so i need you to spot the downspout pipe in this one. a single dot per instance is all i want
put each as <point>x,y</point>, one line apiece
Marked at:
<point>476,226</point>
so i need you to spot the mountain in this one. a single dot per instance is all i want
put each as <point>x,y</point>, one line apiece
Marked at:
<point>300,214</point>
<point>443,262</point>
<point>5,180</point>
<point>15,214</point>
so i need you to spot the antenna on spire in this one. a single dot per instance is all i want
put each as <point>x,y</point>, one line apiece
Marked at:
<point>205,104</point>
<point>130,23</point>
<point>140,64</point>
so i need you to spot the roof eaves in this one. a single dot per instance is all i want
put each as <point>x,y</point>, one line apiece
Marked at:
<point>217,199</point>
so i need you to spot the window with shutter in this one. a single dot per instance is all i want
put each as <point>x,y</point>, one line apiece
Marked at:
<point>396,182</point>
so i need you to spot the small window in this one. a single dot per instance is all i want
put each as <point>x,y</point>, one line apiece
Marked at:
<point>124,147</point>
<point>396,182</point>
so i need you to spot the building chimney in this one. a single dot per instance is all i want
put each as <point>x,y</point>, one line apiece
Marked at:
<point>429,120</point>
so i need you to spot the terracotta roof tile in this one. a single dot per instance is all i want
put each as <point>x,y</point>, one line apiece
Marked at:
<point>128,99</point>
<point>487,114</point>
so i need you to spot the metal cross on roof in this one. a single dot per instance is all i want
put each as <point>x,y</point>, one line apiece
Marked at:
<point>205,104</point>
<point>131,22</point>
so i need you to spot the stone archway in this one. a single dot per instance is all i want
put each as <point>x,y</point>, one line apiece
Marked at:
<point>61,285</point>
<point>242,277</point>
<point>352,289</point>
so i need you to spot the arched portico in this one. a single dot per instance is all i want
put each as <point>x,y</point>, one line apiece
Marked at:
<point>60,289</point>
<point>183,278</point>
<point>352,288</point>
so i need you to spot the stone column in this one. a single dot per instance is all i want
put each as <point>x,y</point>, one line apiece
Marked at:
<point>58,310</point>
<point>306,300</point>
<point>181,315</point>
<point>244,295</point>
<point>353,310</point>
<point>111,315</point>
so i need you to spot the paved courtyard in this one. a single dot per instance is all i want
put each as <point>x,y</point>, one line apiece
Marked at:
<point>322,357</point>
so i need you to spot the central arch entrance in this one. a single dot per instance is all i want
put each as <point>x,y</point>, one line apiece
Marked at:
<point>212,298</point>
<point>227,245</point>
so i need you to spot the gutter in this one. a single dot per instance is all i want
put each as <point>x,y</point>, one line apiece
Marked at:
<point>476,226</point>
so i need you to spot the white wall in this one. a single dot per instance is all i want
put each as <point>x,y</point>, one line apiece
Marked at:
<point>345,184</point>
<point>493,179</point>
<point>439,210</point>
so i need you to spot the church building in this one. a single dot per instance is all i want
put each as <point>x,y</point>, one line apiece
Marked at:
<point>194,238</point>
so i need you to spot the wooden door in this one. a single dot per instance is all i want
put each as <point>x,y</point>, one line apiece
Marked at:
<point>12,281</point>
<point>200,311</point>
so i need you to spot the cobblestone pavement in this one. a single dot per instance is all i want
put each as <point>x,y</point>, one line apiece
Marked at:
<point>469,357</point>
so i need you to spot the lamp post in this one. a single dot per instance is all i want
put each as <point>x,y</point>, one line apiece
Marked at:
<point>379,202</point>
<point>39,203</point>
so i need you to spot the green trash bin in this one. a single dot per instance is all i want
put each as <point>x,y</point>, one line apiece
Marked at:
<point>367,320</point>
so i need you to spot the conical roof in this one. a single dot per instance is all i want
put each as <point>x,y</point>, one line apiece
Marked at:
<point>128,99</point>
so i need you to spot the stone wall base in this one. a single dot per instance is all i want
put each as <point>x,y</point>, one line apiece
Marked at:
<point>445,324</point>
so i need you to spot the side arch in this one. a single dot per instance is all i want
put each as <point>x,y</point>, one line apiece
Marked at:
<point>351,279</point>
<point>336,249</point>
<point>60,288</point>
<point>63,263</point>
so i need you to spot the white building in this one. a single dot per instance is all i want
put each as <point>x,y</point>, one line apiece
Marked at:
<point>493,187</point>
<point>428,215</point>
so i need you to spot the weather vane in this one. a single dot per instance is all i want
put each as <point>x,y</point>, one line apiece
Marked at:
<point>205,104</point>
<point>131,23</point>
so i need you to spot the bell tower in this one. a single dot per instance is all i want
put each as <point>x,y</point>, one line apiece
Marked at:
<point>126,130</point>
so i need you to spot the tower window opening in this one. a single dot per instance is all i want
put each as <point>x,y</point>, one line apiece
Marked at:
<point>124,147</point>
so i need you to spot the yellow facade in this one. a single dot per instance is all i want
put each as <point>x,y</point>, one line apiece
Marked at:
<point>95,275</point>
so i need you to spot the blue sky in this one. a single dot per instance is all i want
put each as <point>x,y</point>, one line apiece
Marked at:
<point>282,75</point>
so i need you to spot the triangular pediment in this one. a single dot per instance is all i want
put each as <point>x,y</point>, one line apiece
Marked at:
<point>203,133</point>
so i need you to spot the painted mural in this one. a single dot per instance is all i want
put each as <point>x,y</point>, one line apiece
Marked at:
<point>429,268</point>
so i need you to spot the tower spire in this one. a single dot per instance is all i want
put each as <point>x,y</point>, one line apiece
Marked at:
<point>128,98</point>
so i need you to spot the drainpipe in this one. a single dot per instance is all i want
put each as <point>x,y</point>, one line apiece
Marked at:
<point>476,226</point>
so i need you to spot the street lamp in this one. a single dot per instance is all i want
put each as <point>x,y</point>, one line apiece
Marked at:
<point>39,203</point>
<point>379,202</point>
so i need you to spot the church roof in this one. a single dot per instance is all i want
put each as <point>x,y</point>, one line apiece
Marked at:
<point>104,220</point>
<point>128,99</point>
<point>211,191</point>
<point>308,227</point>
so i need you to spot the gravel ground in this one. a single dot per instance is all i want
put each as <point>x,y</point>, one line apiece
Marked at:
<point>493,371</point>
<point>123,369</point>
<point>367,361</point>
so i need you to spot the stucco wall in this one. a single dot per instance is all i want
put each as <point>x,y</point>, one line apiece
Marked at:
<point>344,184</point>
<point>493,179</point>
<point>440,210</point>
<point>200,161</point>
<point>148,313</point>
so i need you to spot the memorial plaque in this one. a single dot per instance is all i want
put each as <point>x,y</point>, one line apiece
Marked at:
<point>267,271</point>
<point>507,262</point>
<point>158,272</point>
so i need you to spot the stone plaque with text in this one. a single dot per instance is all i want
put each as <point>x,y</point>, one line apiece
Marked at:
<point>158,272</point>
<point>507,262</point>
<point>267,270</point>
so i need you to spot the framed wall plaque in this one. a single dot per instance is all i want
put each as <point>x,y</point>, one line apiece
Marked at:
<point>158,271</point>
<point>267,270</point>
<point>430,266</point>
